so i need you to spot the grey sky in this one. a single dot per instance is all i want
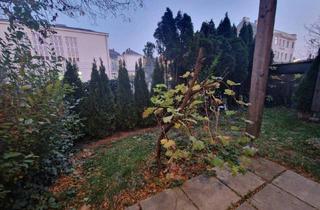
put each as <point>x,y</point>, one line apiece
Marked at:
<point>291,17</point>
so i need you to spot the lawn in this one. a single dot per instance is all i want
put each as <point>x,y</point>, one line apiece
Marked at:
<point>115,175</point>
<point>287,139</point>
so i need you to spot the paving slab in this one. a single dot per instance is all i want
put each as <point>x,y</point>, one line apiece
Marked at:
<point>266,169</point>
<point>299,186</point>
<point>134,207</point>
<point>273,198</point>
<point>241,183</point>
<point>209,193</point>
<point>246,206</point>
<point>172,199</point>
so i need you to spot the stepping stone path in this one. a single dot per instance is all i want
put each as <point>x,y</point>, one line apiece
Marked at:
<point>266,186</point>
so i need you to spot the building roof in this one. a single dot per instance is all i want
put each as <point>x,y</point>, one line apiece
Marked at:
<point>62,26</point>
<point>130,52</point>
<point>113,54</point>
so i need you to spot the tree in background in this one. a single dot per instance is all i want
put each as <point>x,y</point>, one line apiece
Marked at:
<point>174,37</point>
<point>157,76</point>
<point>126,117</point>
<point>91,110</point>
<point>106,102</point>
<point>141,93</point>
<point>305,91</point>
<point>71,77</point>
<point>225,29</point>
<point>246,34</point>
<point>208,29</point>
<point>149,61</point>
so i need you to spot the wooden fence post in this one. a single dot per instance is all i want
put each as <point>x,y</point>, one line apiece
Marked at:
<point>260,68</point>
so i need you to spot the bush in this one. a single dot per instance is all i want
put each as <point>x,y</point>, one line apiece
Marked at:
<point>305,91</point>
<point>35,125</point>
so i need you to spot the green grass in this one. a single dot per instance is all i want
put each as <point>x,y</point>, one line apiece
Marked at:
<point>117,167</point>
<point>287,139</point>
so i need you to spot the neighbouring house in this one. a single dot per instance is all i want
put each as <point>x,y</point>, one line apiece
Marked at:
<point>115,57</point>
<point>131,57</point>
<point>78,45</point>
<point>283,43</point>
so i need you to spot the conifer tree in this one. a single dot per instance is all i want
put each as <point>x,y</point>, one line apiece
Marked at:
<point>157,76</point>
<point>246,34</point>
<point>106,102</point>
<point>305,91</point>
<point>91,109</point>
<point>71,77</point>
<point>224,29</point>
<point>208,29</point>
<point>141,93</point>
<point>126,117</point>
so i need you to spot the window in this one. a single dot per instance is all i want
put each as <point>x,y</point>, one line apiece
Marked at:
<point>281,56</point>
<point>290,57</point>
<point>287,44</point>
<point>56,42</point>
<point>285,56</point>
<point>72,48</point>
<point>39,45</point>
<point>275,40</point>
<point>292,44</point>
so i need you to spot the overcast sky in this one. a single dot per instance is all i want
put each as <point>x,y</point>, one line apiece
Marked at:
<point>291,17</point>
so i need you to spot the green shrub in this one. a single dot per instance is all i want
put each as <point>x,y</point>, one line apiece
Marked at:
<point>35,125</point>
<point>305,91</point>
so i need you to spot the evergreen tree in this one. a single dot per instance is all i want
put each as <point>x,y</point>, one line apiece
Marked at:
<point>157,76</point>
<point>240,54</point>
<point>126,117</point>
<point>246,34</point>
<point>305,91</point>
<point>224,29</point>
<point>71,77</point>
<point>91,109</point>
<point>141,93</point>
<point>106,102</point>
<point>208,29</point>
<point>166,35</point>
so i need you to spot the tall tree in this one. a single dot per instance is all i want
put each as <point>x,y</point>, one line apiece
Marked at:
<point>106,102</point>
<point>166,35</point>
<point>157,76</point>
<point>91,109</point>
<point>149,49</point>
<point>141,93</point>
<point>208,29</point>
<point>71,77</point>
<point>225,29</point>
<point>126,117</point>
<point>246,34</point>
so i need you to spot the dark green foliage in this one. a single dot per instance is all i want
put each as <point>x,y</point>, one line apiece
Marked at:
<point>167,35</point>
<point>157,76</point>
<point>71,78</point>
<point>126,115</point>
<point>99,104</point>
<point>35,126</point>
<point>246,34</point>
<point>141,93</point>
<point>149,49</point>
<point>106,102</point>
<point>208,29</point>
<point>240,54</point>
<point>305,91</point>
<point>174,37</point>
<point>225,29</point>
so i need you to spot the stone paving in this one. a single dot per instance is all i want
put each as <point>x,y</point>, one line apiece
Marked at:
<point>266,186</point>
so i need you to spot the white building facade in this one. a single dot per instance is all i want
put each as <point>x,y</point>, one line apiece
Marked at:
<point>80,46</point>
<point>283,43</point>
<point>130,58</point>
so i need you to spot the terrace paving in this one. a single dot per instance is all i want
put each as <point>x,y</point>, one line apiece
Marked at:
<point>266,186</point>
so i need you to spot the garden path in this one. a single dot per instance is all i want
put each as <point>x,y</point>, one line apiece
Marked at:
<point>266,186</point>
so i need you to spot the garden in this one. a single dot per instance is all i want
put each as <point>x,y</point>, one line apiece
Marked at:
<point>107,144</point>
